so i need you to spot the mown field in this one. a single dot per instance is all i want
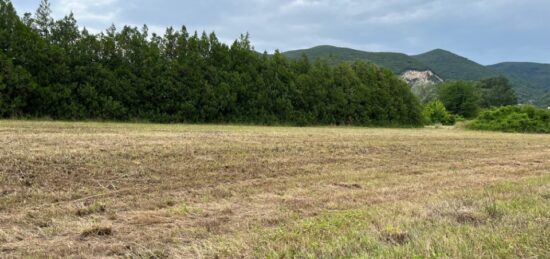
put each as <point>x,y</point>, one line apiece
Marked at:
<point>180,191</point>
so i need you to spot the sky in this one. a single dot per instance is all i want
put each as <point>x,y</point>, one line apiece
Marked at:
<point>486,31</point>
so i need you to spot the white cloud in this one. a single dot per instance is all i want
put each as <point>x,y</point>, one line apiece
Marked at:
<point>487,30</point>
<point>94,14</point>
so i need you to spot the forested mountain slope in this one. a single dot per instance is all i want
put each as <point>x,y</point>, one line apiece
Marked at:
<point>529,81</point>
<point>535,73</point>
<point>454,67</point>
<point>397,62</point>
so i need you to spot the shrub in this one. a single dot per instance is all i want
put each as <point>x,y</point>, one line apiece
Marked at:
<point>435,112</point>
<point>459,118</point>
<point>527,119</point>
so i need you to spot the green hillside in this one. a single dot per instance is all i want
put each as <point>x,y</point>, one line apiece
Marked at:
<point>527,77</point>
<point>454,67</point>
<point>535,73</point>
<point>397,62</point>
<point>450,66</point>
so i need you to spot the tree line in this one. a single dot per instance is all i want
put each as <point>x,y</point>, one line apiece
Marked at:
<point>465,99</point>
<point>52,68</point>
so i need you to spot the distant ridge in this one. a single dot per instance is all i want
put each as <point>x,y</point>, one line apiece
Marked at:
<point>534,72</point>
<point>530,80</point>
<point>454,67</point>
<point>397,62</point>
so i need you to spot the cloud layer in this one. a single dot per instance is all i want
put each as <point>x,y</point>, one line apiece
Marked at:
<point>488,31</point>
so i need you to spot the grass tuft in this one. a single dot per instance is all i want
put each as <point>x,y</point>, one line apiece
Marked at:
<point>96,207</point>
<point>100,231</point>
<point>394,235</point>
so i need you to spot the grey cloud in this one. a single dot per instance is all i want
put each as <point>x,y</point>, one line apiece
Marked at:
<point>487,31</point>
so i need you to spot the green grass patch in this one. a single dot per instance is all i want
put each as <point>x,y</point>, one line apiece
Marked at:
<point>505,220</point>
<point>183,210</point>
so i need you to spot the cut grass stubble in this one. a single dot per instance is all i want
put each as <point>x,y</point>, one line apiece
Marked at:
<point>137,190</point>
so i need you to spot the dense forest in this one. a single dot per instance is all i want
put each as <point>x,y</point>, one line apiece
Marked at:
<point>52,68</point>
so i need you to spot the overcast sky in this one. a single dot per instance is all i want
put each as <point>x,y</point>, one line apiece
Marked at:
<point>486,31</point>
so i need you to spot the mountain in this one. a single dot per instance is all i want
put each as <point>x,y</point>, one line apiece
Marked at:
<point>530,80</point>
<point>450,66</point>
<point>454,67</point>
<point>397,62</point>
<point>535,73</point>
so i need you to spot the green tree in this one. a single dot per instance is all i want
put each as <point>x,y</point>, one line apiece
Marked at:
<point>426,92</point>
<point>43,22</point>
<point>435,112</point>
<point>496,92</point>
<point>16,88</point>
<point>461,97</point>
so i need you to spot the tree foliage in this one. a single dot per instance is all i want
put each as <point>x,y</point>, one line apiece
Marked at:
<point>426,92</point>
<point>496,92</point>
<point>450,66</point>
<point>396,62</point>
<point>460,97</point>
<point>514,119</point>
<point>435,112</point>
<point>53,68</point>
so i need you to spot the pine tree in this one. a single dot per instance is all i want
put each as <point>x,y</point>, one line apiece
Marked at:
<point>43,22</point>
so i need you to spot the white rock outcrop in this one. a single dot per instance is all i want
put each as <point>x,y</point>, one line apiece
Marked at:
<point>421,77</point>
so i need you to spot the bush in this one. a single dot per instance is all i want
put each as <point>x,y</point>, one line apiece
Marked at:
<point>435,112</point>
<point>527,119</point>
<point>459,118</point>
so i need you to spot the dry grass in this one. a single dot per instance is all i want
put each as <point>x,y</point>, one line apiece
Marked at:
<point>156,191</point>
